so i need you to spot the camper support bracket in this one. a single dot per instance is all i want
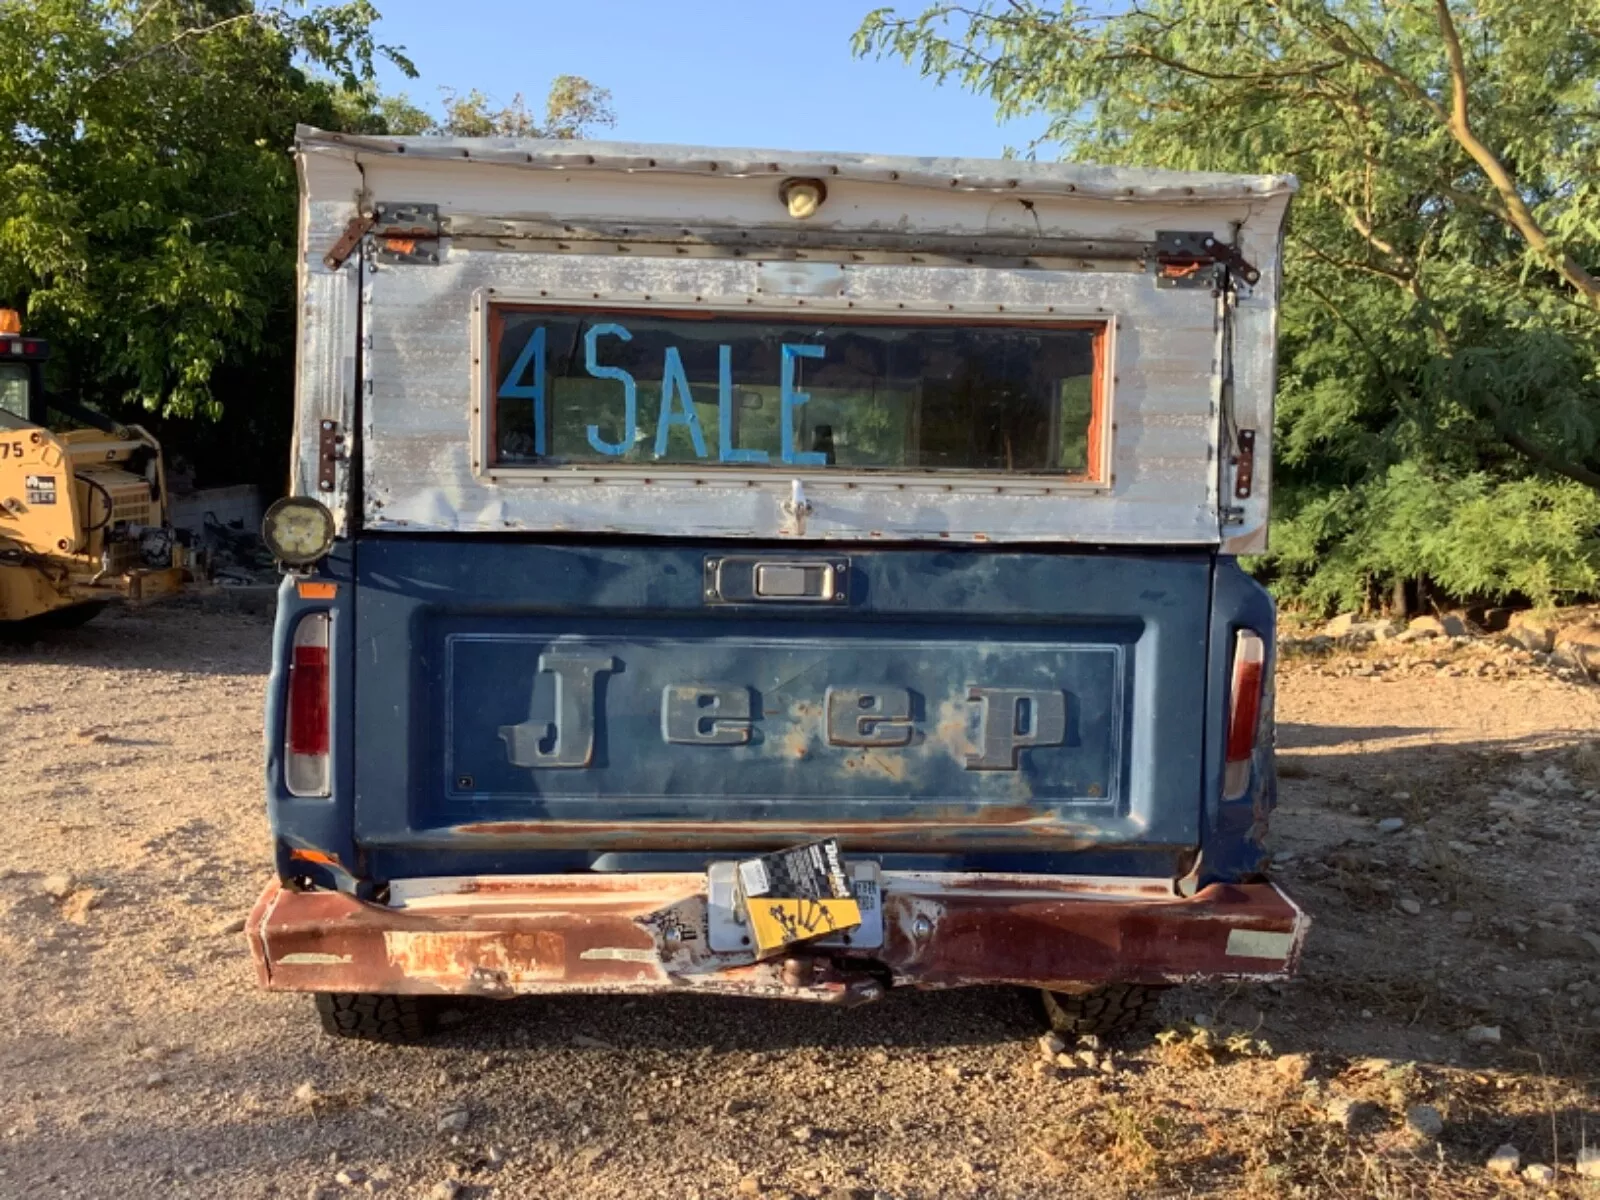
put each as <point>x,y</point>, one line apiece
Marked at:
<point>1198,259</point>
<point>407,234</point>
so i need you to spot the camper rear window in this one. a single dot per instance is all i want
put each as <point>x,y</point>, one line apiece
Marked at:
<point>591,387</point>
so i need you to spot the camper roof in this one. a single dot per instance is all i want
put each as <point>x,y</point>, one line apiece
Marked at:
<point>962,174</point>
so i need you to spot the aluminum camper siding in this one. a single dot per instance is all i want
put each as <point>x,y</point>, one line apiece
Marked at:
<point>422,440</point>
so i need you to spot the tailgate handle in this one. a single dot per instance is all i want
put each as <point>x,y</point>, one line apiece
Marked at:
<point>794,581</point>
<point>749,580</point>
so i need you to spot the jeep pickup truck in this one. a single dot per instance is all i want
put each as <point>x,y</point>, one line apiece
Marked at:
<point>657,507</point>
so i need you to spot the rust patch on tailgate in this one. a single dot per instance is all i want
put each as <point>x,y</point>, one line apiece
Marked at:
<point>970,827</point>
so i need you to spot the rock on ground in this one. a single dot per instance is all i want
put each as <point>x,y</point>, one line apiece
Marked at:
<point>453,1120</point>
<point>1588,1164</point>
<point>1350,1114</point>
<point>1293,1067</point>
<point>1424,1120</point>
<point>1505,1161</point>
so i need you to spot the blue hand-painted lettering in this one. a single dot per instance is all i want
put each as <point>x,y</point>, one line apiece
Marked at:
<point>533,352</point>
<point>727,452</point>
<point>792,400</point>
<point>675,383</point>
<point>630,391</point>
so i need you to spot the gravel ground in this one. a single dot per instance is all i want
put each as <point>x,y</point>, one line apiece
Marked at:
<point>139,1059</point>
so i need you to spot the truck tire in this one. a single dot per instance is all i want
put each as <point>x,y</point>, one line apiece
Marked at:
<point>377,1018</point>
<point>1110,1009</point>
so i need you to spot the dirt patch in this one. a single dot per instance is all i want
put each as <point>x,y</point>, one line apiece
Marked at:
<point>139,1058</point>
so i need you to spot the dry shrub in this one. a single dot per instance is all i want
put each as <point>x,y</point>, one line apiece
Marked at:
<point>1137,1142</point>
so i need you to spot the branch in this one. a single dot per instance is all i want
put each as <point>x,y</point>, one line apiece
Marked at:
<point>1403,278</point>
<point>1497,416</point>
<point>1544,458</point>
<point>1404,397</point>
<point>145,16</point>
<point>1310,70</point>
<point>1518,214</point>
<point>172,44</point>
<point>1486,204</point>
<point>1382,245</point>
<point>1347,42</point>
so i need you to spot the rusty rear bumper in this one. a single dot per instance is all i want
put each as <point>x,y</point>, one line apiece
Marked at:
<point>505,936</point>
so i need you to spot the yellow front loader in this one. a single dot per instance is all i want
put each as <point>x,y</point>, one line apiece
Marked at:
<point>83,511</point>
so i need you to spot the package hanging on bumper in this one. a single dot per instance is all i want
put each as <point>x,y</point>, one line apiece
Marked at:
<point>797,895</point>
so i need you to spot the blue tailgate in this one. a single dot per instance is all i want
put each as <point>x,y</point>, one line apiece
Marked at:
<point>515,699</point>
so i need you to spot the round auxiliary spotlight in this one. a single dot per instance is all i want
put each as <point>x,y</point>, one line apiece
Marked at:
<point>298,530</point>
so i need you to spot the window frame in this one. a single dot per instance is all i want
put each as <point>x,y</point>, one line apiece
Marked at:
<point>1097,480</point>
<point>29,380</point>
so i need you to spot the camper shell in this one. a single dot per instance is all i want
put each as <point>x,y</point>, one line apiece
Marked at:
<point>689,503</point>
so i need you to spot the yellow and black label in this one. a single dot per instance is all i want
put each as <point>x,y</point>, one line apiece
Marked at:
<point>777,923</point>
<point>797,895</point>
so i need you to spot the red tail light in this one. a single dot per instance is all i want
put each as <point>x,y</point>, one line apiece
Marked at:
<point>309,734</point>
<point>1244,710</point>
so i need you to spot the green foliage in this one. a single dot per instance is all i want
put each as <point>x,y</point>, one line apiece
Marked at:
<point>1471,534</point>
<point>147,197</point>
<point>366,110</point>
<point>1441,326</point>
<point>575,108</point>
<point>146,200</point>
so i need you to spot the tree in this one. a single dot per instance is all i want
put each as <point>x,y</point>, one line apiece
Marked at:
<point>147,199</point>
<point>1441,335</point>
<point>147,202</point>
<point>574,109</point>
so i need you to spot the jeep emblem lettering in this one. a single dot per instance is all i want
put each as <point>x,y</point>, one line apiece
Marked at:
<point>1010,720</point>
<point>569,742</point>
<point>869,716</point>
<point>700,714</point>
<point>1014,719</point>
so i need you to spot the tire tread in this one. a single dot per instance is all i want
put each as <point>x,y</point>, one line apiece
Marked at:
<point>374,1017</point>
<point>1110,1009</point>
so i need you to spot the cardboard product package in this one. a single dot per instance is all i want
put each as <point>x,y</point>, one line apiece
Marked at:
<point>797,895</point>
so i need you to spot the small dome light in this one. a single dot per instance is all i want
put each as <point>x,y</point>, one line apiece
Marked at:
<point>802,197</point>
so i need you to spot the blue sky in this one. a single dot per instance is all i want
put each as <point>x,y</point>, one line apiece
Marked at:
<point>715,72</point>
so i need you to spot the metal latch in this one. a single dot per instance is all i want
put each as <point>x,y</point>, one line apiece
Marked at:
<point>330,449</point>
<point>406,234</point>
<point>1189,259</point>
<point>747,580</point>
<point>1244,465</point>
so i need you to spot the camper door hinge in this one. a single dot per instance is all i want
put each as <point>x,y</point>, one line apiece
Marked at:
<point>1244,465</point>
<point>1186,259</point>
<point>330,450</point>
<point>407,234</point>
<point>348,241</point>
